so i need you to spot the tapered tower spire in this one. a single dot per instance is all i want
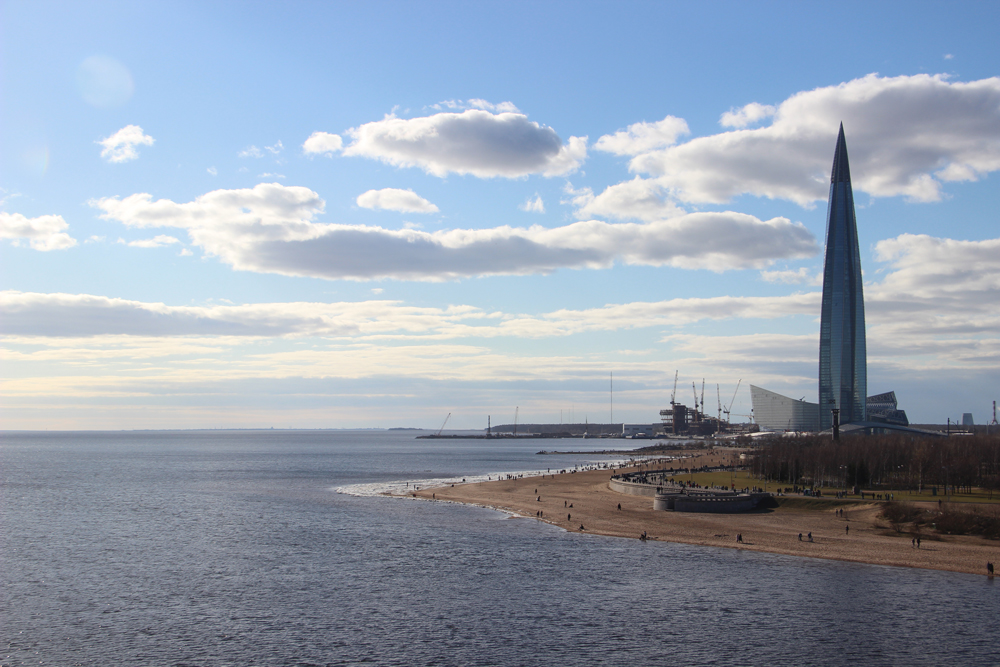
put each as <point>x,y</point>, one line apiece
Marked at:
<point>843,362</point>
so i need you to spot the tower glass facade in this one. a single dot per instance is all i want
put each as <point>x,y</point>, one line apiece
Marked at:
<point>843,374</point>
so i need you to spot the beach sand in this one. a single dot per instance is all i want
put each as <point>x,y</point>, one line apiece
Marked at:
<point>595,507</point>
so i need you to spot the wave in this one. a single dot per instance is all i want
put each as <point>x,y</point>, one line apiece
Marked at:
<point>403,488</point>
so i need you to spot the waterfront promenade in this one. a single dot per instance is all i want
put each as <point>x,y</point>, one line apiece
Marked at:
<point>585,499</point>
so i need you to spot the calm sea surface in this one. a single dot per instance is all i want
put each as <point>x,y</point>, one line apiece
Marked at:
<point>234,548</point>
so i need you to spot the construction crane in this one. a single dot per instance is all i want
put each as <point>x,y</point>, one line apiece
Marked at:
<point>718,397</point>
<point>728,410</point>
<point>673,394</point>
<point>703,397</point>
<point>694,390</point>
<point>443,424</point>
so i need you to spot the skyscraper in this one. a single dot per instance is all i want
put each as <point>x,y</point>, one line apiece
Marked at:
<point>843,365</point>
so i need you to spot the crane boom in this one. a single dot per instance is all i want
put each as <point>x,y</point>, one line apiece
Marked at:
<point>730,409</point>
<point>703,396</point>
<point>444,423</point>
<point>694,390</point>
<point>673,394</point>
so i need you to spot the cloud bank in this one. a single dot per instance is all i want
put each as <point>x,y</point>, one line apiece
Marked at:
<point>271,228</point>
<point>475,142</point>
<point>907,136</point>
<point>42,233</point>
<point>121,146</point>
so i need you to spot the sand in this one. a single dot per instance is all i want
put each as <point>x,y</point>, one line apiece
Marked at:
<point>595,507</point>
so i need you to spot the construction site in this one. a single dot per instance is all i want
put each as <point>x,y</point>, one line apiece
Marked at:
<point>680,419</point>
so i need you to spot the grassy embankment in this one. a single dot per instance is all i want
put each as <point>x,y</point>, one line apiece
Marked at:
<point>743,479</point>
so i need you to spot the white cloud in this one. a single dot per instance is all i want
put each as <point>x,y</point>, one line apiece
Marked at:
<point>643,137</point>
<point>473,142</point>
<point>907,135</point>
<point>156,242</point>
<point>394,199</point>
<point>121,146</point>
<point>268,174</point>
<point>638,199</point>
<point>42,233</point>
<point>270,228</point>
<point>251,151</point>
<point>322,143</point>
<point>476,103</point>
<point>84,315</point>
<point>748,115</point>
<point>789,277</point>
<point>533,204</point>
<point>948,56</point>
<point>213,171</point>
<point>275,149</point>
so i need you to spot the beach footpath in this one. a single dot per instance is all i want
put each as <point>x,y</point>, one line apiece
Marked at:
<point>583,502</point>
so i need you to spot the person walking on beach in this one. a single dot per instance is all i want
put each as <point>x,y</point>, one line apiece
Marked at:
<point>800,537</point>
<point>989,568</point>
<point>810,537</point>
<point>619,507</point>
<point>847,530</point>
<point>918,543</point>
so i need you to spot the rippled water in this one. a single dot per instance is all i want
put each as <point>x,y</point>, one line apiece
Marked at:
<point>233,548</point>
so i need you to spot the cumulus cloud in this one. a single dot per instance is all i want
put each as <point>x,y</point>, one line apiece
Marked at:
<point>394,199</point>
<point>46,232</point>
<point>475,142</point>
<point>83,315</point>
<point>789,277</point>
<point>271,228</point>
<point>251,151</point>
<point>322,143</point>
<point>641,138</point>
<point>907,135</point>
<point>748,115</point>
<point>638,199</point>
<point>533,204</point>
<point>121,146</point>
<point>477,103</point>
<point>156,242</point>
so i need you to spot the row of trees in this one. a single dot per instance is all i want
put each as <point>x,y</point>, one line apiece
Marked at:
<point>886,462</point>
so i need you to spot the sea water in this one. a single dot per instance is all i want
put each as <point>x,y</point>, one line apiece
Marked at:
<point>235,548</point>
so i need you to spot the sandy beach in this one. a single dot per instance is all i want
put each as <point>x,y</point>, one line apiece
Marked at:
<point>572,500</point>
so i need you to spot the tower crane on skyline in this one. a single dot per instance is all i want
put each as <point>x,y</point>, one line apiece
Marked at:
<point>694,390</point>
<point>728,410</point>
<point>673,394</point>
<point>702,397</point>
<point>443,424</point>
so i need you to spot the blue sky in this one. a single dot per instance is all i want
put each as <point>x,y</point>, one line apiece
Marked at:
<point>373,214</point>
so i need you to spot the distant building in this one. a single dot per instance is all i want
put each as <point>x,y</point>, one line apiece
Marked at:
<point>882,409</point>
<point>843,365</point>
<point>774,412</point>
<point>967,419</point>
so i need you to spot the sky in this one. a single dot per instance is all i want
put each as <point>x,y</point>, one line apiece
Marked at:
<point>341,215</point>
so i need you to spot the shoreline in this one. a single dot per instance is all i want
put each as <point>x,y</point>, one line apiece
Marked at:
<point>859,536</point>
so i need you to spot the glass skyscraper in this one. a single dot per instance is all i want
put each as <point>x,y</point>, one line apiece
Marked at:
<point>843,372</point>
